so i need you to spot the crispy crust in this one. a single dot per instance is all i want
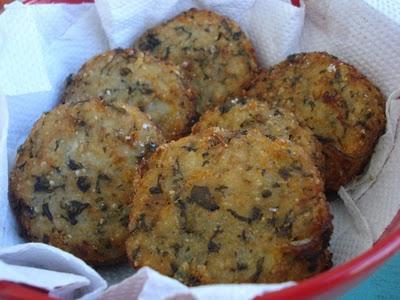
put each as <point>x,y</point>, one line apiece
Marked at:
<point>224,207</point>
<point>215,54</point>
<point>127,76</point>
<point>74,176</point>
<point>339,104</point>
<point>245,113</point>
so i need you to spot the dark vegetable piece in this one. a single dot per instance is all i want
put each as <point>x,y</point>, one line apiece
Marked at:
<point>183,218</point>
<point>205,163</point>
<point>141,223</point>
<point>101,177</point>
<point>21,166</point>
<point>83,183</point>
<point>201,196</point>
<point>221,189</point>
<point>177,172</point>
<point>236,35</point>
<point>80,123</point>
<point>151,147</point>
<point>237,216</point>
<point>272,221</point>
<point>42,184</point>
<point>190,148</point>
<point>254,216</point>
<point>328,97</point>
<point>312,259</point>
<point>294,80</point>
<point>259,269</point>
<point>125,71</point>
<point>155,190</point>
<point>192,280</point>
<point>226,26</point>
<point>20,148</point>
<point>174,267</point>
<point>135,252</point>
<point>57,145</point>
<point>58,171</point>
<point>68,80</point>
<point>266,193</point>
<point>213,246</point>
<point>115,108</point>
<point>277,112</point>
<point>227,105</point>
<point>73,209</point>
<point>182,29</point>
<point>295,167</point>
<point>142,88</point>
<point>45,239</point>
<point>240,266</point>
<point>150,43</point>
<point>166,53</point>
<point>285,173</point>
<point>176,247</point>
<point>324,139</point>
<point>124,220</point>
<point>243,236</point>
<point>73,165</point>
<point>285,229</point>
<point>292,58</point>
<point>309,102</point>
<point>27,210</point>
<point>46,211</point>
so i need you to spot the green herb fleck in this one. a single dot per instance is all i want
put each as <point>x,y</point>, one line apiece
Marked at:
<point>83,183</point>
<point>73,209</point>
<point>201,196</point>
<point>46,211</point>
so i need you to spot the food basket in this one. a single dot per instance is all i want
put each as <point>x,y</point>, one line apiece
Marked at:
<point>329,284</point>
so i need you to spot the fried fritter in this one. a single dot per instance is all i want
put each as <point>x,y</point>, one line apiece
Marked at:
<point>224,207</point>
<point>245,113</point>
<point>214,52</point>
<point>127,76</point>
<point>74,174</point>
<point>341,106</point>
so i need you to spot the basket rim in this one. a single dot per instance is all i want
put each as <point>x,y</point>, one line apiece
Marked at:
<point>340,277</point>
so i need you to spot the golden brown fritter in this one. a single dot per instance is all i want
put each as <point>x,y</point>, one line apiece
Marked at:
<point>223,207</point>
<point>214,52</point>
<point>245,113</point>
<point>339,104</point>
<point>74,177</point>
<point>127,76</point>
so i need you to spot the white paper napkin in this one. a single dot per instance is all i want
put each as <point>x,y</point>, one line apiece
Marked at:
<point>149,284</point>
<point>46,267</point>
<point>62,37</point>
<point>22,67</point>
<point>60,283</point>
<point>275,28</point>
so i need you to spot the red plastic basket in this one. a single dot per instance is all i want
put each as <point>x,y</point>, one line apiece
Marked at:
<point>329,284</point>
